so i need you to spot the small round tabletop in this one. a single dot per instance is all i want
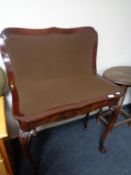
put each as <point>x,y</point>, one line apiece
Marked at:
<point>120,75</point>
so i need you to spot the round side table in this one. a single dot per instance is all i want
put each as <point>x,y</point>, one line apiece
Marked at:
<point>120,75</point>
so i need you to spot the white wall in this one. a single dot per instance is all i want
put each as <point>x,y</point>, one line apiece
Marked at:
<point>111,18</point>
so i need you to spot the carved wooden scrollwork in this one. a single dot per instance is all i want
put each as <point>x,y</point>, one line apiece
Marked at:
<point>25,138</point>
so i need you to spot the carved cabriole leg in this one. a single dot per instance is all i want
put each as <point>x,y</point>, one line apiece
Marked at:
<point>98,114</point>
<point>24,138</point>
<point>115,114</point>
<point>85,123</point>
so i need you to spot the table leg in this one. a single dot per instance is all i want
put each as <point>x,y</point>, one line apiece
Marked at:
<point>115,114</point>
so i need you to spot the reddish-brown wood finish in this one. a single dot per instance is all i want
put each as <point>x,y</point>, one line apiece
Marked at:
<point>29,123</point>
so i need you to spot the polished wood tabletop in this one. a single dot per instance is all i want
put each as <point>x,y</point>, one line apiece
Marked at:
<point>120,75</point>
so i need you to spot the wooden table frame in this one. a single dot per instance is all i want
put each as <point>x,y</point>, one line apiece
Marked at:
<point>28,123</point>
<point>119,75</point>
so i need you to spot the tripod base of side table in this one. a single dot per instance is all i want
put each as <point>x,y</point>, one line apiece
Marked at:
<point>127,118</point>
